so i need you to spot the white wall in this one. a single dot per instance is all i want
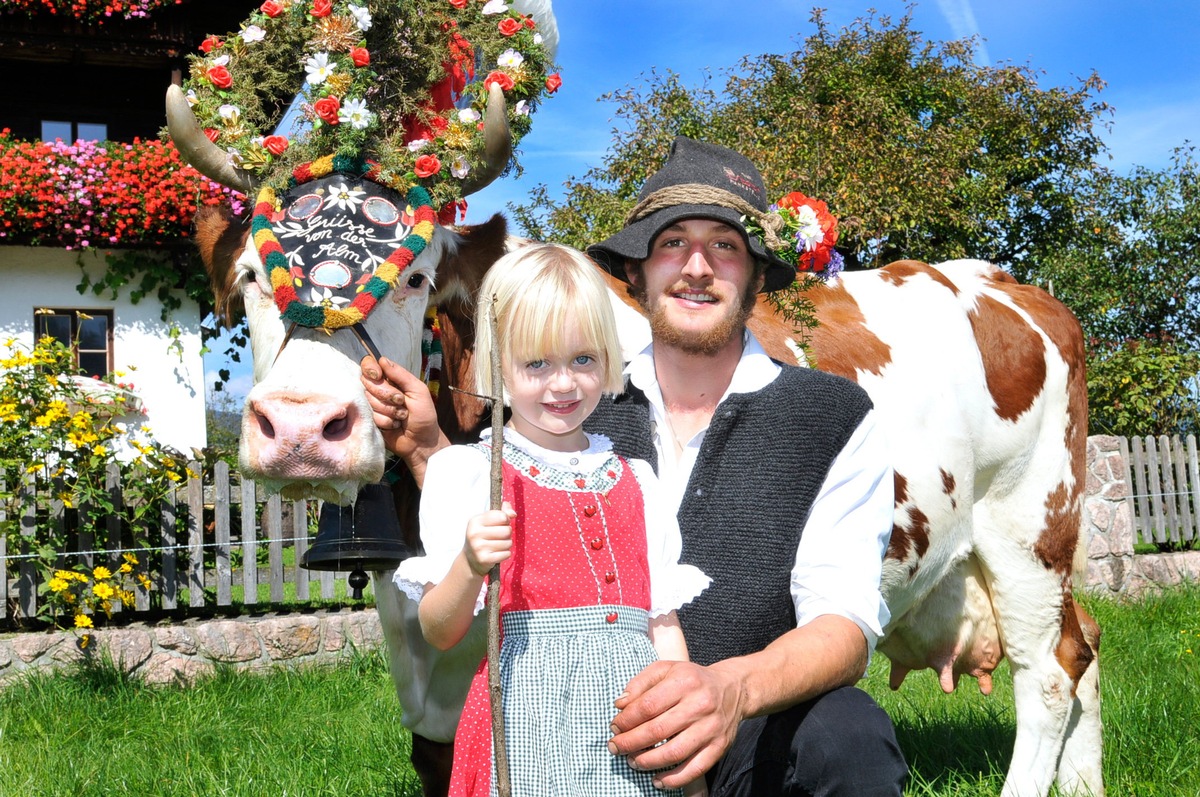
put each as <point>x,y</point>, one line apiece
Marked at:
<point>171,386</point>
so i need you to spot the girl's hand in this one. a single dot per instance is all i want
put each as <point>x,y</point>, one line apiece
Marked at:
<point>489,539</point>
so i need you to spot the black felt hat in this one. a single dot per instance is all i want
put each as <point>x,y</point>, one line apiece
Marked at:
<point>710,182</point>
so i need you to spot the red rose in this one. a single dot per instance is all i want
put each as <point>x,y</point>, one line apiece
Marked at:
<point>438,124</point>
<point>219,76</point>
<point>272,8</point>
<point>327,109</point>
<point>509,27</point>
<point>427,166</point>
<point>500,78</point>
<point>322,8</point>
<point>360,56</point>
<point>276,145</point>
<point>211,134</point>
<point>553,82</point>
<point>210,44</point>
<point>459,3</point>
<point>529,23</point>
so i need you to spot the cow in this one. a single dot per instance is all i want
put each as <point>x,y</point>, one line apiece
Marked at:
<point>979,385</point>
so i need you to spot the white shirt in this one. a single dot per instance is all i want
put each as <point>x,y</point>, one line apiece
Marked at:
<point>839,560</point>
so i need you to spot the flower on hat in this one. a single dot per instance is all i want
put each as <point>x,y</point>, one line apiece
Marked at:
<point>344,197</point>
<point>511,59</point>
<point>253,33</point>
<point>362,17</point>
<point>319,68</point>
<point>355,114</point>
<point>809,234</point>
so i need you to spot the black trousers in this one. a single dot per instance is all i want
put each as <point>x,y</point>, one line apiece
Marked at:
<point>840,744</point>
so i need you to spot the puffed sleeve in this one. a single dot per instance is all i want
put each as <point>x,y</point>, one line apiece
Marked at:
<point>457,487</point>
<point>672,584</point>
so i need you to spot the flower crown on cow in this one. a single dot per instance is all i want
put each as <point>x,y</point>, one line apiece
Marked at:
<point>401,86</point>
<point>808,233</point>
<point>424,98</point>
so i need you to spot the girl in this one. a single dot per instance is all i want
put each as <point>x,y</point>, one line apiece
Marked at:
<point>590,577</point>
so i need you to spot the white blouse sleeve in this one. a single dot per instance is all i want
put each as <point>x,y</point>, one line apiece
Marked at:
<point>457,487</point>
<point>672,584</point>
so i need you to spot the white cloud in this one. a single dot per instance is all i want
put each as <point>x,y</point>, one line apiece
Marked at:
<point>961,19</point>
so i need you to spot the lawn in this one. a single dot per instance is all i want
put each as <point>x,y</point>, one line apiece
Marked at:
<point>337,731</point>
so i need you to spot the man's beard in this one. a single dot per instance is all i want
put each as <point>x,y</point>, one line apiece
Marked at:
<point>706,343</point>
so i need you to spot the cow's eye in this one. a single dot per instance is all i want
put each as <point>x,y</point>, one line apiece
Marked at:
<point>416,281</point>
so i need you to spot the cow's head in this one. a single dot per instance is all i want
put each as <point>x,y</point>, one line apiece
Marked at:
<point>348,258</point>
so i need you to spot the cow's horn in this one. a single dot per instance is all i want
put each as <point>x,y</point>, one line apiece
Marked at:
<point>497,143</point>
<point>197,151</point>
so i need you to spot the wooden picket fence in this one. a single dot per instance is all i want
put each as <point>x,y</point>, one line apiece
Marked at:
<point>1164,478</point>
<point>208,529</point>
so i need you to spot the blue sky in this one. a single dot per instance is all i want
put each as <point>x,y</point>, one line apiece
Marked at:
<point>1148,53</point>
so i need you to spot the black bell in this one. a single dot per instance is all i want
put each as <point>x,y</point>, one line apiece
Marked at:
<point>364,536</point>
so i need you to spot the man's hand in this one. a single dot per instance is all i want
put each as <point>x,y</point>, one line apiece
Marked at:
<point>695,709</point>
<point>404,411</point>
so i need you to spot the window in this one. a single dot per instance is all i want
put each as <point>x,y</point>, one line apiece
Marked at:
<point>87,333</point>
<point>70,132</point>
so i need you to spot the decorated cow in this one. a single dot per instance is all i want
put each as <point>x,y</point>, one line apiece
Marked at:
<point>404,110</point>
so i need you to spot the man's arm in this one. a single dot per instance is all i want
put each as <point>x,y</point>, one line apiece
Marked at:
<point>405,413</point>
<point>698,709</point>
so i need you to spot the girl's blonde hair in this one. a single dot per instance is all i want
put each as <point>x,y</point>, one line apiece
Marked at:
<point>541,293</point>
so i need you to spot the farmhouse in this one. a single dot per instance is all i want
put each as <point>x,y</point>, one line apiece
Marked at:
<point>94,211</point>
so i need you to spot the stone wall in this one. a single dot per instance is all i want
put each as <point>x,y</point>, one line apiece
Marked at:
<point>163,654</point>
<point>1111,564</point>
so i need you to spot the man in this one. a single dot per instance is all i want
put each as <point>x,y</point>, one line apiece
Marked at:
<point>784,498</point>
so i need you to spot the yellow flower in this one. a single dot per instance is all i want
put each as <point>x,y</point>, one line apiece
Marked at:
<point>83,621</point>
<point>143,580</point>
<point>33,468</point>
<point>65,575</point>
<point>65,497</point>
<point>57,585</point>
<point>125,568</point>
<point>130,558</point>
<point>99,451</point>
<point>101,572</point>
<point>126,597</point>
<point>192,474</point>
<point>173,476</point>
<point>103,591</point>
<point>80,577</point>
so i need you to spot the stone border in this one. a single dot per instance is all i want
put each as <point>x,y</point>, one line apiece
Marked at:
<point>1112,567</point>
<point>179,653</point>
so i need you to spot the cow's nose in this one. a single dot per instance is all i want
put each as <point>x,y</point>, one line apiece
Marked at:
<point>285,433</point>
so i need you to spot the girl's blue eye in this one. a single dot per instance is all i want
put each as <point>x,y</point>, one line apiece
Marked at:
<point>535,364</point>
<point>584,359</point>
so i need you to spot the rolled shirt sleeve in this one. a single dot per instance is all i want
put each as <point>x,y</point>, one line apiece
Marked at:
<point>839,561</point>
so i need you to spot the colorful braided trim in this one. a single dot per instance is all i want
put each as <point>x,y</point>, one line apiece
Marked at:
<point>386,274</point>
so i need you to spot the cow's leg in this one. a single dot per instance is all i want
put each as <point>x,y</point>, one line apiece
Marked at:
<point>432,762</point>
<point>1079,770</point>
<point>1038,626</point>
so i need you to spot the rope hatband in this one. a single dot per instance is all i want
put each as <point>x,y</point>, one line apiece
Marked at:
<point>700,194</point>
<point>284,284</point>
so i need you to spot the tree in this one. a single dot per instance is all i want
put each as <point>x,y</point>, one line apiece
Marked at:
<point>920,152</point>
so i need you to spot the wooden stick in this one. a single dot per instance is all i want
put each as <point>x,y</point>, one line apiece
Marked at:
<point>499,746</point>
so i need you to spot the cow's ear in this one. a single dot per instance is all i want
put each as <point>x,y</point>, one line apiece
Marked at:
<point>461,270</point>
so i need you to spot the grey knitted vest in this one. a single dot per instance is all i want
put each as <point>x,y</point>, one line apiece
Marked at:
<point>763,460</point>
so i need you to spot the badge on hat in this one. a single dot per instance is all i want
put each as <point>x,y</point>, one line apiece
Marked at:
<point>334,246</point>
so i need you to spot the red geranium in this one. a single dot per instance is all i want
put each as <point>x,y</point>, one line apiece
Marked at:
<point>504,81</point>
<point>219,76</point>
<point>360,56</point>
<point>272,8</point>
<point>427,166</point>
<point>322,8</point>
<point>210,44</point>
<point>509,27</point>
<point>276,145</point>
<point>327,109</point>
<point>552,83</point>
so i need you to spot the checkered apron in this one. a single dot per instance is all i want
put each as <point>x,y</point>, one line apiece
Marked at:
<point>560,670</point>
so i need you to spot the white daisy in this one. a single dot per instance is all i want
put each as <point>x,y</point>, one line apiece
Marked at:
<point>355,114</point>
<point>460,168</point>
<point>345,197</point>
<point>253,33</point>
<point>318,68</point>
<point>510,58</point>
<point>810,233</point>
<point>537,38</point>
<point>362,16</point>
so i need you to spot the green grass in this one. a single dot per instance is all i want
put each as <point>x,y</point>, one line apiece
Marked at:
<point>337,731</point>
